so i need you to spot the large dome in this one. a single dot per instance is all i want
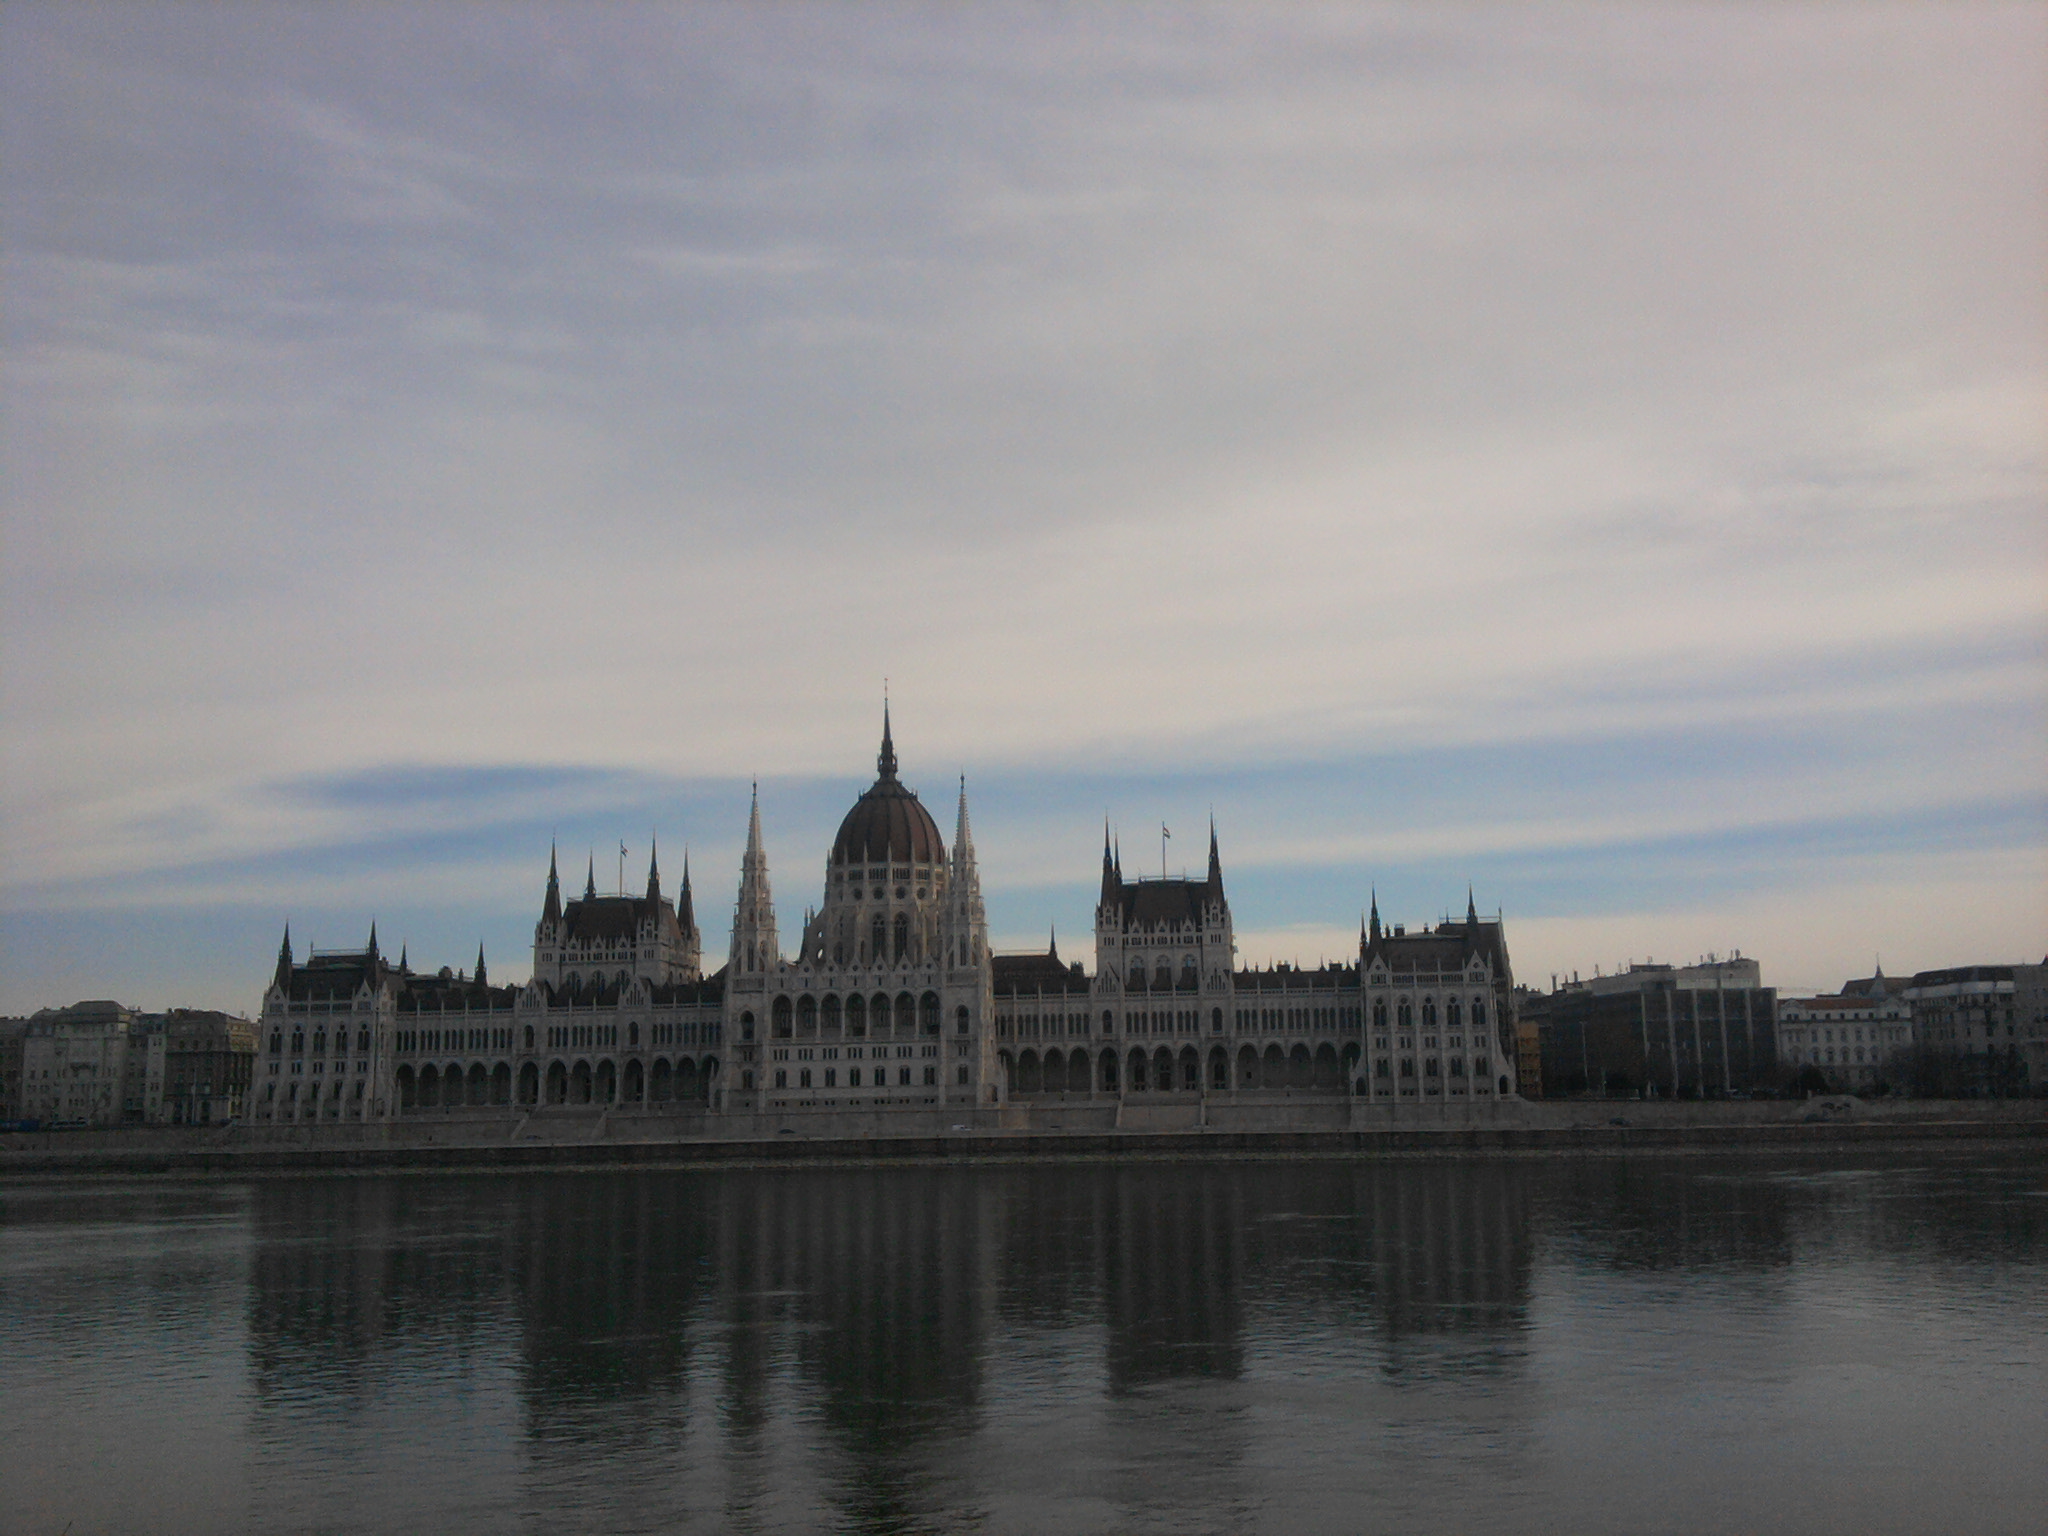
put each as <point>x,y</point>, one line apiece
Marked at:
<point>888,823</point>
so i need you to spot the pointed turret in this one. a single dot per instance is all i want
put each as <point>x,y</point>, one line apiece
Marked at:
<point>404,968</point>
<point>283,977</point>
<point>1373,928</point>
<point>1215,865</point>
<point>371,951</point>
<point>1109,879</point>
<point>653,872</point>
<point>482,978</point>
<point>1052,942</point>
<point>963,921</point>
<point>685,907</point>
<point>551,909</point>
<point>1471,911</point>
<point>754,944</point>
<point>590,880</point>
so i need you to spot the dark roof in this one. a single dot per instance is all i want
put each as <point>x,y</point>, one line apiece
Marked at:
<point>1287,978</point>
<point>1956,975</point>
<point>1014,974</point>
<point>1157,903</point>
<point>604,992</point>
<point>1444,948</point>
<point>607,917</point>
<point>334,975</point>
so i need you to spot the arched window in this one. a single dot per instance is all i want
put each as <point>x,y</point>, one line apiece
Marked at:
<point>1429,1013</point>
<point>1379,1014</point>
<point>1189,980</point>
<point>856,1016</point>
<point>1453,1013</point>
<point>828,1013</point>
<point>806,1014</point>
<point>276,1042</point>
<point>902,946</point>
<point>747,1025</point>
<point>781,1018</point>
<point>1108,1022</point>
<point>928,1013</point>
<point>362,1039</point>
<point>633,1034</point>
<point>1478,1014</point>
<point>1402,1014</point>
<point>529,1046</point>
<point>960,1019</point>
<point>878,1012</point>
<point>1162,978</point>
<point>875,934</point>
<point>1137,975</point>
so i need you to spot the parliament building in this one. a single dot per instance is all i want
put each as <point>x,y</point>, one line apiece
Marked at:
<point>890,1002</point>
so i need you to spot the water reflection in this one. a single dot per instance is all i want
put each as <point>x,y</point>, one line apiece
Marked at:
<point>1286,1345</point>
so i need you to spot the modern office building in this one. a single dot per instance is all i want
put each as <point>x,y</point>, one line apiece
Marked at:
<point>1661,1031</point>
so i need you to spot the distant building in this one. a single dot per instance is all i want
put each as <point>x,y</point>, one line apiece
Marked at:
<point>13,1036</point>
<point>201,1066</point>
<point>86,1064</point>
<point>1662,1031</point>
<point>1529,1042</point>
<point>1971,1032</point>
<point>1847,1037</point>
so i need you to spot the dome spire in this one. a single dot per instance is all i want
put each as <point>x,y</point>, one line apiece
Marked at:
<point>885,763</point>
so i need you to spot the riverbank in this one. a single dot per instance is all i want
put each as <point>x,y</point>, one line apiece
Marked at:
<point>1581,1128</point>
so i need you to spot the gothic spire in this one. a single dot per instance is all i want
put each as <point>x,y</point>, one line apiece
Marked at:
<point>963,835</point>
<point>551,909</point>
<point>754,944</point>
<point>590,880</point>
<point>1052,942</point>
<point>284,958</point>
<point>372,950</point>
<point>481,979</point>
<point>1215,863</point>
<point>684,913</point>
<point>1373,931</point>
<point>653,870</point>
<point>1471,910</point>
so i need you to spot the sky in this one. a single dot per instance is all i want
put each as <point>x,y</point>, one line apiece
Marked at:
<point>1596,457</point>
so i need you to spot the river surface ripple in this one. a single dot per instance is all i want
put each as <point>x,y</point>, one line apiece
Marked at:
<point>1644,1343</point>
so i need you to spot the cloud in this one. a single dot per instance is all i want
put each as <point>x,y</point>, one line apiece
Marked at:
<point>562,403</point>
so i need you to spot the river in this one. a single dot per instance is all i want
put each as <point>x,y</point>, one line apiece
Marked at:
<point>1689,1342</point>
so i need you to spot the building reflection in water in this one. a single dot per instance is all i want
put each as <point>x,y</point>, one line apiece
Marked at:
<point>902,1347</point>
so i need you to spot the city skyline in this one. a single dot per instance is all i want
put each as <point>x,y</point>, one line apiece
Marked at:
<point>1596,459</point>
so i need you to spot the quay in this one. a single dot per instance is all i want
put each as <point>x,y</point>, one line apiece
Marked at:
<point>1023,1133</point>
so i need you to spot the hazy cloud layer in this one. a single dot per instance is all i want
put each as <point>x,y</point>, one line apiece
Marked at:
<point>1598,453</point>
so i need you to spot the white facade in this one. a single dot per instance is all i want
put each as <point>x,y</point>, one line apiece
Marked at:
<point>1847,1037</point>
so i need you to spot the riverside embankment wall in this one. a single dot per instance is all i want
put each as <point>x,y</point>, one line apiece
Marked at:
<point>530,1142</point>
